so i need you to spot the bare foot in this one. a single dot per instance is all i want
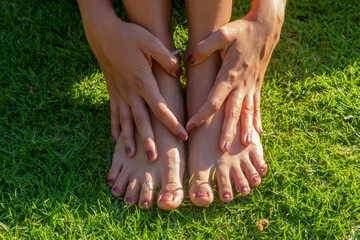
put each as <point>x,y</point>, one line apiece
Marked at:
<point>244,165</point>
<point>128,175</point>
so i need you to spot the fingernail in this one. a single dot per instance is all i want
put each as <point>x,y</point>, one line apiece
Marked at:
<point>260,128</point>
<point>110,182</point>
<point>150,154</point>
<point>191,127</point>
<point>227,146</point>
<point>182,136</point>
<point>256,179</point>
<point>191,59</point>
<point>202,194</point>
<point>167,197</point>
<point>145,204</point>
<point>248,138</point>
<point>129,200</point>
<point>179,72</point>
<point>128,150</point>
<point>226,195</point>
<point>116,190</point>
<point>244,189</point>
<point>114,138</point>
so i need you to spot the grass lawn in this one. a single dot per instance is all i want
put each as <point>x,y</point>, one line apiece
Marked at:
<point>56,147</point>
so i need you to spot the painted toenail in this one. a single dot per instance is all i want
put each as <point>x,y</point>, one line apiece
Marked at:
<point>110,182</point>
<point>179,72</point>
<point>114,138</point>
<point>248,138</point>
<point>226,195</point>
<point>145,204</point>
<point>129,200</point>
<point>227,146</point>
<point>167,197</point>
<point>116,190</point>
<point>202,194</point>
<point>128,150</point>
<point>150,154</point>
<point>191,59</point>
<point>191,127</point>
<point>256,179</point>
<point>244,189</point>
<point>182,136</point>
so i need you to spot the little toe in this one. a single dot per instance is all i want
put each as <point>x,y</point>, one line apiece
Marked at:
<point>250,172</point>
<point>120,184</point>
<point>116,165</point>
<point>225,188</point>
<point>259,163</point>
<point>241,184</point>
<point>200,191</point>
<point>132,192</point>
<point>147,192</point>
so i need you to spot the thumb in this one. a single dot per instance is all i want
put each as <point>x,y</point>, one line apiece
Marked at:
<point>216,41</point>
<point>157,51</point>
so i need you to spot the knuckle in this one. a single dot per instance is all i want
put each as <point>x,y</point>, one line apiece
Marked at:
<point>224,34</point>
<point>160,112</point>
<point>235,113</point>
<point>249,109</point>
<point>215,104</point>
<point>124,119</point>
<point>233,77</point>
<point>201,51</point>
<point>229,134</point>
<point>153,43</point>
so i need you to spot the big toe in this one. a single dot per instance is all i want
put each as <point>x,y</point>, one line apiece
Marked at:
<point>200,191</point>
<point>170,196</point>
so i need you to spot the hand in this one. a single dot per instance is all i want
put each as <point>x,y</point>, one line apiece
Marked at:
<point>245,47</point>
<point>125,52</point>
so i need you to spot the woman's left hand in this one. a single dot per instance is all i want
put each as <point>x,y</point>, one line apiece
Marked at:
<point>246,46</point>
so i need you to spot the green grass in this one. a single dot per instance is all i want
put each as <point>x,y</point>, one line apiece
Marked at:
<point>56,148</point>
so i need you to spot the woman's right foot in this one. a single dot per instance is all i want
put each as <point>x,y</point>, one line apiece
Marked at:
<point>244,165</point>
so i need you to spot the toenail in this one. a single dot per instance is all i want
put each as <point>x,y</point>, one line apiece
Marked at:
<point>226,195</point>
<point>167,197</point>
<point>260,128</point>
<point>191,59</point>
<point>150,154</point>
<point>263,170</point>
<point>244,189</point>
<point>129,200</point>
<point>110,182</point>
<point>191,127</point>
<point>248,139</point>
<point>227,146</point>
<point>202,194</point>
<point>128,150</point>
<point>145,204</point>
<point>182,136</point>
<point>256,179</point>
<point>116,190</point>
<point>114,138</point>
<point>179,72</point>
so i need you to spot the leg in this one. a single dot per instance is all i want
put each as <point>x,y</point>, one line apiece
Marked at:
<point>242,165</point>
<point>128,175</point>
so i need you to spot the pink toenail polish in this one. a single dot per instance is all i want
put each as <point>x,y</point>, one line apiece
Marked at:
<point>191,59</point>
<point>129,200</point>
<point>127,150</point>
<point>145,204</point>
<point>167,197</point>
<point>179,72</point>
<point>248,139</point>
<point>110,182</point>
<point>150,154</point>
<point>227,146</point>
<point>114,138</point>
<point>191,127</point>
<point>226,195</point>
<point>244,189</point>
<point>116,190</point>
<point>202,194</point>
<point>182,136</point>
<point>256,179</point>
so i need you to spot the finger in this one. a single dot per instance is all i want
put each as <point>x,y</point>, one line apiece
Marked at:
<point>232,115</point>
<point>157,50</point>
<point>246,116</point>
<point>126,120</point>
<point>159,107</point>
<point>115,117</point>
<point>257,118</point>
<point>143,125</point>
<point>216,41</point>
<point>216,97</point>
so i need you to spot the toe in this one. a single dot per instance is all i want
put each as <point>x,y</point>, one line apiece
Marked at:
<point>259,163</point>
<point>250,172</point>
<point>147,192</point>
<point>132,192</point>
<point>200,190</point>
<point>170,196</point>
<point>120,184</point>
<point>223,180</point>
<point>241,184</point>
<point>116,166</point>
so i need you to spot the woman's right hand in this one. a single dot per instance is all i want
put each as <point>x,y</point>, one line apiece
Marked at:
<point>125,52</point>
